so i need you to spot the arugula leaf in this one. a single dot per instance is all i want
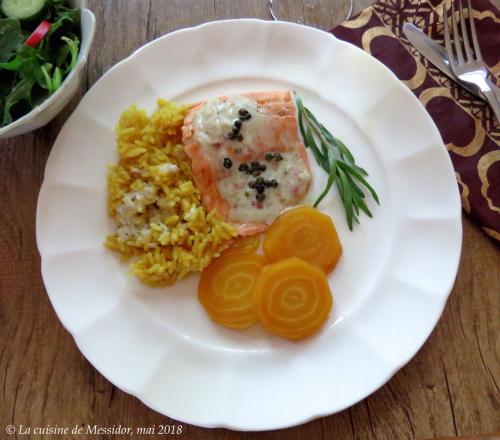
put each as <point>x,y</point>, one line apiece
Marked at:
<point>56,78</point>
<point>70,17</point>
<point>73,50</point>
<point>48,82</point>
<point>7,80</point>
<point>11,37</point>
<point>46,78</point>
<point>62,55</point>
<point>20,92</point>
<point>59,5</point>
<point>25,61</point>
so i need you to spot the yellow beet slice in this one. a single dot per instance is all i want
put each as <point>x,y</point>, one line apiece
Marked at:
<point>292,298</point>
<point>225,288</point>
<point>248,243</point>
<point>306,233</point>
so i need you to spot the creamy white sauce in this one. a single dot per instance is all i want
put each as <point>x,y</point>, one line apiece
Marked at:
<point>212,124</point>
<point>166,169</point>
<point>216,118</point>
<point>292,177</point>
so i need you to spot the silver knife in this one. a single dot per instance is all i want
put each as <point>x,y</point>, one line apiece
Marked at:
<point>436,54</point>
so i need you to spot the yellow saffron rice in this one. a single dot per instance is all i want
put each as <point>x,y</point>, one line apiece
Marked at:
<point>160,221</point>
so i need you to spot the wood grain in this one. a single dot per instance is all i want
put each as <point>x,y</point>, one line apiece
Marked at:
<point>450,388</point>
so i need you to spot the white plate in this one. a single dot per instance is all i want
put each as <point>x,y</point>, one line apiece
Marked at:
<point>389,288</point>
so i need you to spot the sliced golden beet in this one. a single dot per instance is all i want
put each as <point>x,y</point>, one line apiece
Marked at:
<point>292,298</point>
<point>248,243</point>
<point>225,288</point>
<point>306,233</point>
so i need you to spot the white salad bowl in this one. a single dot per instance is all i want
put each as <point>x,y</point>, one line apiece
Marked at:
<point>48,109</point>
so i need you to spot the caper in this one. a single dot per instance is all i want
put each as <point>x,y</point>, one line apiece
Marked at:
<point>254,164</point>
<point>251,184</point>
<point>260,197</point>
<point>243,167</point>
<point>268,156</point>
<point>277,157</point>
<point>244,114</point>
<point>274,183</point>
<point>228,163</point>
<point>238,137</point>
<point>237,124</point>
<point>260,187</point>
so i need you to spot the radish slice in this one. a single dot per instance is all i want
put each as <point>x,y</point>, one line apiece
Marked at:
<point>38,34</point>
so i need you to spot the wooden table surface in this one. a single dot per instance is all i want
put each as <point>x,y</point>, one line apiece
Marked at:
<point>451,387</point>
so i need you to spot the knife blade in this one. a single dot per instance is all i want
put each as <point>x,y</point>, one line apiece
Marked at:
<point>435,53</point>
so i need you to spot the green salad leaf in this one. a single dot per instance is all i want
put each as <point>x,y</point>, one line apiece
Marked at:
<point>73,51</point>
<point>25,62</point>
<point>11,37</point>
<point>20,92</point>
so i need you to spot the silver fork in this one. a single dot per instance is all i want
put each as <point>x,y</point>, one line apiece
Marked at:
<point>471,68</point>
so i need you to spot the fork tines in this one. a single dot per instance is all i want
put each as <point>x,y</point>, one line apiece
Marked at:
<point>461,40</point>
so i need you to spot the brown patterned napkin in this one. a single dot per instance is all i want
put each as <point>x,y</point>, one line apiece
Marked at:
<point>468,127</point>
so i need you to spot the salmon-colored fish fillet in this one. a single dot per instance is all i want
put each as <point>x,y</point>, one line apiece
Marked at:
<point>280,110</point>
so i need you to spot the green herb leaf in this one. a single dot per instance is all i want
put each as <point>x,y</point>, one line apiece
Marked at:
<point>361,179</point>
<point>300,111</point>
<point>314,148</point>
<point>362,205</point>
<point>329,183</point>
<point>338,161</point>
<point>347,199</point>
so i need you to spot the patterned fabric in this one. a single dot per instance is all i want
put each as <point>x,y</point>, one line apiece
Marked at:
<point>468,127</point>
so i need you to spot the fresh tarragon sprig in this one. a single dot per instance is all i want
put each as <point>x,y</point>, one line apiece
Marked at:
<point>338,162</point>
